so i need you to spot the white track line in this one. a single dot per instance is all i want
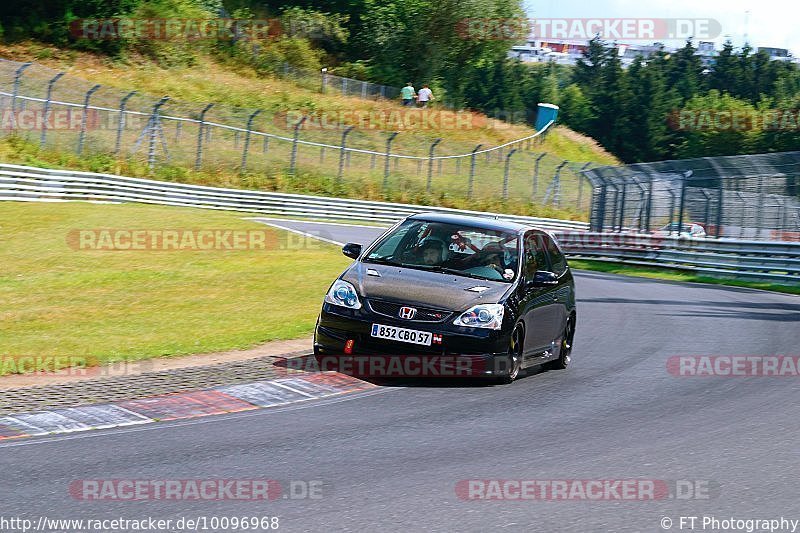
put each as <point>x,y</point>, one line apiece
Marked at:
<point>317,222</point>
<point>304,234</point>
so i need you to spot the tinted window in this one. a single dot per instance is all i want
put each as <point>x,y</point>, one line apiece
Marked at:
<point>452,248</point>
<point>557,260</point>
<point>535,258</point>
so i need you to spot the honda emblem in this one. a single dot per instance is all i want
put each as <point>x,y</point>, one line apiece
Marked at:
<point>407,312</point>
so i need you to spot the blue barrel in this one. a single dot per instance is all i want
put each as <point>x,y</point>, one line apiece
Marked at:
<point>546,113</point>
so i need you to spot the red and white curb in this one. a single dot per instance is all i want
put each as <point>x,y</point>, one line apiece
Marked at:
<point>182,405</point>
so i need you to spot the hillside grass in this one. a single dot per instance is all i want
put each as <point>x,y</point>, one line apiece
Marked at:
<point>237,90</point>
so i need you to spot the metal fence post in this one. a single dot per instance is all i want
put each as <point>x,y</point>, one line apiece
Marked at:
<point>388,157</point>
<point>535,185</point>
<point>622,204</point>
<point>601,205</point>
<point>760,209</point>
<point>155,125</point>
<point>671,208</point>
<point>581,177</point>
<point>430,163</point>
<point>82,136</point>
<point>639,213</point>
<point>50,84</point>
<point>718,229</point>
<point>614,205</point>
<point>201,125</point>
<point>707,208</point>
<point>250,119</point>
<point>648,206</point>
<point>505,173</point>
<point>342,153</point>
<point>555,186</point>
<point>121,121</point>
<point>295,137</point>
<point>684,181</point>
<point>15,92</point>
<point>472,157</point>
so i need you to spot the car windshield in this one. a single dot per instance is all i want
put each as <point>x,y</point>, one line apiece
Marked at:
<point>450,248</point>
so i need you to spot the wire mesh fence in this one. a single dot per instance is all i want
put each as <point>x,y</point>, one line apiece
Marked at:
<point>743,197</point>
<point>327,83</point>
<point>69,114</point>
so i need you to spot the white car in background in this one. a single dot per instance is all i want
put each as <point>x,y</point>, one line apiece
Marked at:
<point>687,229</point>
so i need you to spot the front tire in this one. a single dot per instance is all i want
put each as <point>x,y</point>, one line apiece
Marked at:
<point>515,355</point>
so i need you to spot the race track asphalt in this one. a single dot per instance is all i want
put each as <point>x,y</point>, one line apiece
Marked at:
<point>390,460</point>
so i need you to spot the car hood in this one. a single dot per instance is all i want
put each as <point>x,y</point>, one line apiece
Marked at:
<point>423,288</point>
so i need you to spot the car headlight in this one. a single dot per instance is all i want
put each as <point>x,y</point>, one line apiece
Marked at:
<point>482,316</point>
<point>343,294</point>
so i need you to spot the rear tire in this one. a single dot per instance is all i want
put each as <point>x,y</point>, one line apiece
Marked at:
<point>565,351</point>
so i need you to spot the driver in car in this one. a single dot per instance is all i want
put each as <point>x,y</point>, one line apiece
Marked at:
<point>432,251</point>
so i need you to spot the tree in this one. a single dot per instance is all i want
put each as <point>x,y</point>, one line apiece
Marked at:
<point>576,109</point>
<point>726,72</point>
<point>685,71</point>
<point>720,125</point>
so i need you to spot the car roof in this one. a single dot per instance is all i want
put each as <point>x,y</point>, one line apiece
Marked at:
<point>475,221</point>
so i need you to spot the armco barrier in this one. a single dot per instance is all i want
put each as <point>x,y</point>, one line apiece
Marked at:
<point>757,260</point>
<point>23,183</point>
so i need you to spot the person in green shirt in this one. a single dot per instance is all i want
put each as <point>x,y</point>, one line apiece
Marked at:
<point>408,94</point>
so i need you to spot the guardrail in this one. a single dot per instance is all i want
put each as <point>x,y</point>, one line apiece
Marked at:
<point>23,183</point>
<point>755,260</point>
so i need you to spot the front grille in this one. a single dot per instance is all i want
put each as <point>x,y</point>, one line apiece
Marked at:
<point>423,314</point>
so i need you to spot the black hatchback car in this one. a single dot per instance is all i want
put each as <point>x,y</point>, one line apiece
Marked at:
<point>491,296</point>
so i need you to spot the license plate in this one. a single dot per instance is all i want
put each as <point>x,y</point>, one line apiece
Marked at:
<point>393,333</point>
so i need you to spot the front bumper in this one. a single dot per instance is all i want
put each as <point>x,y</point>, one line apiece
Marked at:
<point>463,352</point>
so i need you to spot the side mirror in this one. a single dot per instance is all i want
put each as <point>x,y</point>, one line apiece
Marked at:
<point>542,278</point>
<point>351,250</point>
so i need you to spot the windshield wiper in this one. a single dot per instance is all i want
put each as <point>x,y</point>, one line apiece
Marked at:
<point>457,272</point>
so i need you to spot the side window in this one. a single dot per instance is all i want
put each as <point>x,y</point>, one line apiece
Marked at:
<point>535,258</point>
<point>557,259</point>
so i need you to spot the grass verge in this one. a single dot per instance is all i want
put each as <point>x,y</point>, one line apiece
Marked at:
<point>107,306</point>
<point>671,274</point>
